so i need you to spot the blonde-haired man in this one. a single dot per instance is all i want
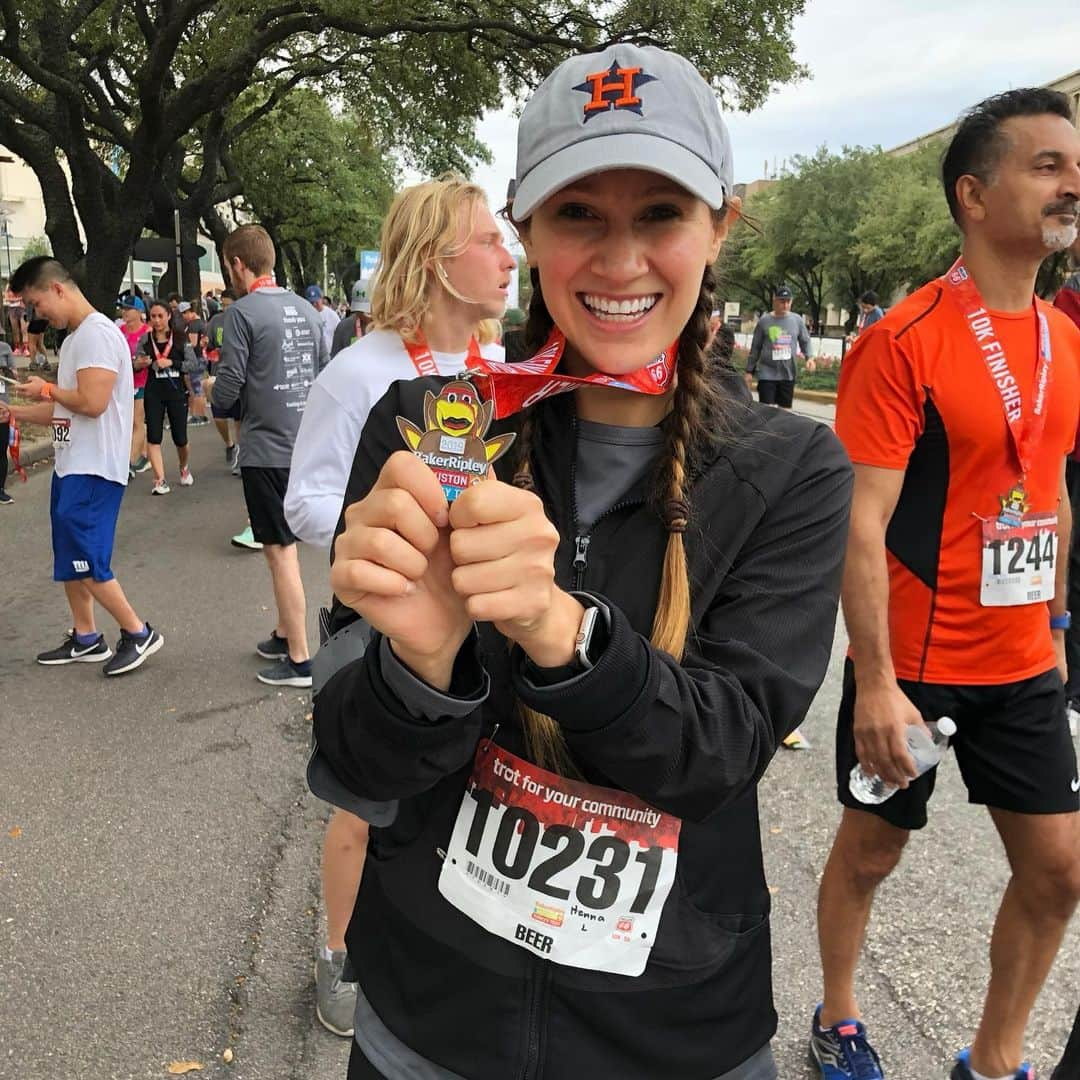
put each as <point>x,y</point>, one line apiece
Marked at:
<point>444,268</point>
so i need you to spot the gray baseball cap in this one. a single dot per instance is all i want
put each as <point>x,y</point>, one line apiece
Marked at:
<point>623,108</point>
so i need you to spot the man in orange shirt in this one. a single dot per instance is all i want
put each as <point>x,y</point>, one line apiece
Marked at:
<point>958,409</point>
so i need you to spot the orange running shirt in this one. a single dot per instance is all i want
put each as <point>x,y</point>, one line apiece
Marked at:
<point>915,395</point>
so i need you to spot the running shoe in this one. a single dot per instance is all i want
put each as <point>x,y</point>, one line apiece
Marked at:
<point>335,999</point>
<point>842,1052</point>
<point>230,455</point>
<point>962,1068</point>
<point>286,673</point>
<point>71,652</point>
<point>273,648</point>
<point>246,539</point>
<point>797,741</point>
<point>186,479</point>
<point>142,464</point>
<point>161,487</point>
<point>132,651</point>
<point>5,499</point>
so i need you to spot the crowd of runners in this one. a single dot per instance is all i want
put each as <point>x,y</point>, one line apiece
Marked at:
<point>579,601</point>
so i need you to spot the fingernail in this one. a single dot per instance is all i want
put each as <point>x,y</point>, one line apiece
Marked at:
<point>410,588</point>
<point>442,518</point>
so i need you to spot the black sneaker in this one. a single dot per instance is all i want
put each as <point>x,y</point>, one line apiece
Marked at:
<point>5,499</point>
<point>71,652</point>
<point>273,648</point>
<point>131,652</point>
<point>286,673</point>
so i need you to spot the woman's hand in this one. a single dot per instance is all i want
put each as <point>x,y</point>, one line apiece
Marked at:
<point>503,547</point>
<point>392,566</point>
<point>140,361</point>
<point>163,362</point>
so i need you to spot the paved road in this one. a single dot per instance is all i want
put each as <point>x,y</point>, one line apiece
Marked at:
<point>160,901</point>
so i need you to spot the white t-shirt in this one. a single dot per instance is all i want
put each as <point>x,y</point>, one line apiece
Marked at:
<point>330,319</point>
<point>336,411</point>
<point>95,445</point>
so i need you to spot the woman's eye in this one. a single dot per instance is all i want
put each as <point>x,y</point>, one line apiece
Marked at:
<point>575,211</point>
<point>662,213</point>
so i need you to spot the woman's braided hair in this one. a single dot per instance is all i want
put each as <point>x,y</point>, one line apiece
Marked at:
<point>696,417</point>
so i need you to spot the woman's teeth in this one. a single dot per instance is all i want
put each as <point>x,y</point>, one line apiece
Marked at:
<point>618,310</point>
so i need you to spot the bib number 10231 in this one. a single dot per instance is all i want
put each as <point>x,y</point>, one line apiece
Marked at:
<point>572,872</point>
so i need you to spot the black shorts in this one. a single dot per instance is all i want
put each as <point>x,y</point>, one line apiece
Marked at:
<point>1012,746</point>
<point>231,413</point>
<point>359,1066</point>
<point>155,405</point>
<point>264,493</point>
<point>776,392</point>
<point>37,326</point>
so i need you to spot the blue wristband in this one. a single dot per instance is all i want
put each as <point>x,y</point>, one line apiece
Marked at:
<point>1061,622</point>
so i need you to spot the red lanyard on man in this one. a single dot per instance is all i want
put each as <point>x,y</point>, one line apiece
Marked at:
<point>424,362</point>
<point>1024,434</point>
<point>265,282</point>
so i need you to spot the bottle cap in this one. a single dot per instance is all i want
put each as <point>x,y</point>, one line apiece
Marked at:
<point>947,726</point>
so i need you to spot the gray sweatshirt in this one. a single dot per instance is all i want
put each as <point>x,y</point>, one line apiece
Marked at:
<point>772,350</point>
<point>272,348</point>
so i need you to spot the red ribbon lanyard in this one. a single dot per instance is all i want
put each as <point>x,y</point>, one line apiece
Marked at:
<point>1025,435</point>
<point>513,387</point>
<point>159,353</point>
<point>424,362</point>
<point>265,282</point>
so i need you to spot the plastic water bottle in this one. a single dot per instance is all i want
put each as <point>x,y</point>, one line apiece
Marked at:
<point>925,749</point>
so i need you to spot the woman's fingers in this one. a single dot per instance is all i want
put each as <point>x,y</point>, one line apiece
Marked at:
<point>353,579</point>
<point>405,471</point>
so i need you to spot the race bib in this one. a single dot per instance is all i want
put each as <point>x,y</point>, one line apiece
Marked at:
<point>1019,561</point>
<point>783,348</point>
<point>61,433</point>
<point>568,871</point>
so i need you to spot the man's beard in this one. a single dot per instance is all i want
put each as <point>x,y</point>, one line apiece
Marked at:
<point>1059,237</point>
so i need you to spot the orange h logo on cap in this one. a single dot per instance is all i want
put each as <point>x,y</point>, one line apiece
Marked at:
<point>613,89</point>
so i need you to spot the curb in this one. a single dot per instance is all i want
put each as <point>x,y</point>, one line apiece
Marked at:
<point>36,452</point>
<point>825,397</point>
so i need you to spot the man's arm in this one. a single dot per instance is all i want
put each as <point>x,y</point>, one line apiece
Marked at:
<point>755,348</point>
<point>27,414</point>
<point>882,711</point>
<point>805,343</point>
<point>1059,605</point>
<point>231,371</point>
<point>89,398</point>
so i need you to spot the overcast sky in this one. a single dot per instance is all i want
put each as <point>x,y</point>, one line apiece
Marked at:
<point>880,74</point>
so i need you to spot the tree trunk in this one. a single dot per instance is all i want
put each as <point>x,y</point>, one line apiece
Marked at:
<point>189,262</point>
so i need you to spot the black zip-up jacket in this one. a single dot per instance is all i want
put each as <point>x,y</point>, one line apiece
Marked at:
<point>765,548</point>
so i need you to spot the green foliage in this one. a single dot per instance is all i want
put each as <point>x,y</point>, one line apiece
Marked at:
<point>841,224</point>
<point>35,246</point>
<point>314,178</point>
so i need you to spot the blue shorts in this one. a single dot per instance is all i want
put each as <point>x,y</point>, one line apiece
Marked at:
<point>84,510</point>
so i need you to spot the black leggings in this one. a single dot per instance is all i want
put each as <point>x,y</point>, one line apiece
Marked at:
<point>156,407</point>
<point>5,434</point>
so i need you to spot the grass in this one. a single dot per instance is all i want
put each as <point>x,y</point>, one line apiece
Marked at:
<point>824,376</point>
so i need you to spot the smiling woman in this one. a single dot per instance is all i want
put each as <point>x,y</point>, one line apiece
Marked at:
<point>581,666</point>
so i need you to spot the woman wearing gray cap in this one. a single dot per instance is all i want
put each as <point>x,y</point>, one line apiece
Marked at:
<point>558,687</point>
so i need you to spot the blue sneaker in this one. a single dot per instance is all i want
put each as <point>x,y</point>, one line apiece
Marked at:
<point>842,1052</point>
<point>962,1068</point>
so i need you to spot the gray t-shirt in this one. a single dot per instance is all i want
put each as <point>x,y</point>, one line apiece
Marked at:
<point>610,461</point>
<point>777,338</point>
<point>272,349</point>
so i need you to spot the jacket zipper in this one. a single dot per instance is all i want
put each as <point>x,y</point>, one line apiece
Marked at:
<point>582,542</point>
<point>537,981</point>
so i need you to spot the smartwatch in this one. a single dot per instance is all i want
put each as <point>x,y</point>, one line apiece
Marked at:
<point>1061,622</point>
<point>593,633</point>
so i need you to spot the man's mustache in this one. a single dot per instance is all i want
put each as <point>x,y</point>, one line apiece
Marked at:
<point>1058,209</point>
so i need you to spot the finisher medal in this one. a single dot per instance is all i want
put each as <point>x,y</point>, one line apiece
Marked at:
<point>452,442</point>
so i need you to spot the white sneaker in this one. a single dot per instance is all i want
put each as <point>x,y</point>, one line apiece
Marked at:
<point>161,487</point>
<point>186,479</point>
